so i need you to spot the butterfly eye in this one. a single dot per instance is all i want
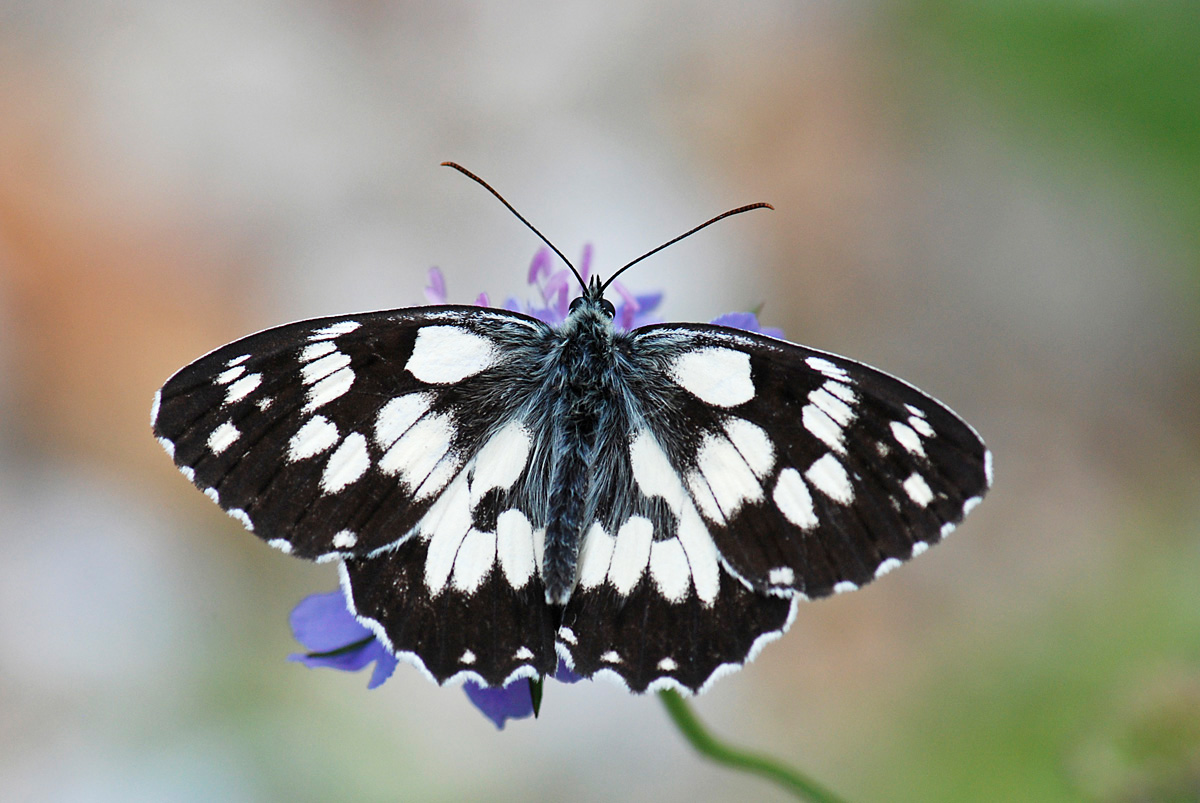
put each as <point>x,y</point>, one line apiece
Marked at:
<point>575,304</point>
<point>607,307</point>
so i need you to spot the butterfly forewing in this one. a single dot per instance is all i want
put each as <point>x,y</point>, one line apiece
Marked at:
<point>334,436</point>
<point>813,473</point>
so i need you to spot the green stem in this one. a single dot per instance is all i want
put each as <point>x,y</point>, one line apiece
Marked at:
<point>710,747</point>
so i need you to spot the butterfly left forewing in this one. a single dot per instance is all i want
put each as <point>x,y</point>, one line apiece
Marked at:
<point>334,436</point>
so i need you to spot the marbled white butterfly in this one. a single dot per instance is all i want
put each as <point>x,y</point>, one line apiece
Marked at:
<point>499,493</point>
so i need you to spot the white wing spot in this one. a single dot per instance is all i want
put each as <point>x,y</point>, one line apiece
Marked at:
<point>187,472</point>
<point>417,453</point>
<point>442,473</point>
<point>730,479</point>
<point>718,376</point>
<point>240,515</point>
<point>918,490</point>
<point>831,405</point>
<point>514,547</point>
<point>829,369</point>
<point>915,410</point>
<point>475,558</point>
<point>445,525</point>
<point>398,415</point>
<point>315,351</point>
<point>611,657</point>
<point>223,437</point>
<point>669,568</point>
<point>921,426</point>
<point>781,576</point>
<point>703,496</point>
<point>501,460</point>
<point>653,472</point>
<point>701,554</point>
<point>467,658</point>
<point>319,369</point>
<point>228,376</point>
<point>317,435</point>
<point>212,494</point>
<point>155,407</point>
<point>237,360</point>
<point>445,354</point>
<point>331,387</point>
<point>843,392</point>
<point>567,635</point>
<point>168,445</point>
<point>987,466</point>
<point>335,330</point>
<point>595,556</point>
<point>668,665</point>
<point>263,403</point>
<point>844,587</point>
<point>822,427</point>
<point>347,463</point>
<point>523,654</point>
<point>887,566</point>
<point>283,545</point>
<point>631,553</point>
<point>242,388</point>
<point>947,528</point>
<point>910,440</point>
<point>752,441</point>
<point>794,501</point>
<point>345,539</point>
<point>829,477</point>
<point>971,504</point>
<point>919,548</point>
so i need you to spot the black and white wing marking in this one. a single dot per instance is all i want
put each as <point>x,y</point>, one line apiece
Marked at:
<point>392,441</point>
<point>783,474</point>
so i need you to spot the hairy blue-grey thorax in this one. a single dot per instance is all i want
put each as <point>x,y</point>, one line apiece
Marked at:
<point>585,398</point>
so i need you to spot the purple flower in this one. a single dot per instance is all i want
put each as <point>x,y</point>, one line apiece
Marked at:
<point>324,624</point>
<point>335,639</point>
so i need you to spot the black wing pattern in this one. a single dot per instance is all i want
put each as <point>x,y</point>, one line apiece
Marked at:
<point>788,474</point>
<point>735,475</point>
<point>335,438</point>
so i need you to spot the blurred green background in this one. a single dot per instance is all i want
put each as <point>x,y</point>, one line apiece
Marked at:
<point>999,201</point>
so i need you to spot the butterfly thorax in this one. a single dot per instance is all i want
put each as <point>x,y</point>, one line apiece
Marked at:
<point>584,393</point>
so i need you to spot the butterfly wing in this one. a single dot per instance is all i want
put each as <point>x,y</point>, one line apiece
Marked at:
<point>393,442</point>
<point>783,473</point>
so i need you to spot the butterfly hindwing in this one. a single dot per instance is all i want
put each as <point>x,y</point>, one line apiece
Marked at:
<point>334,436</point>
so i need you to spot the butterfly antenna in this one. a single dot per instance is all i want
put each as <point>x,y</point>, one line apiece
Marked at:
<point>521,217</point>
<point>688,233</point>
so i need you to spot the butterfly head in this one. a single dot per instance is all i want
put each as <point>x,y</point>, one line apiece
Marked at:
<point>592,307</point>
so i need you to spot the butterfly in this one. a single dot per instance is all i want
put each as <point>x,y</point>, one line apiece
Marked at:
<point>500,493</point>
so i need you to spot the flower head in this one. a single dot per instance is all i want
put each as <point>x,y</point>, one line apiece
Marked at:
<point>324,624</point>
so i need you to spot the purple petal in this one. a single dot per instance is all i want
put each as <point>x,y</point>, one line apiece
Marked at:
<point>514,701</point>
<point>436,291</point>
<point>565,674</point>
<point>483,301</point>
<point>539,268</point>
<point>628,308</point>
<point>747,321</point>
<point>321,622</point>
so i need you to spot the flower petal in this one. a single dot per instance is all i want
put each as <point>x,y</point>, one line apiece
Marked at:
<point>513,701</point>
<point>747,321</point>
<point>321,622</point>
<point>436,291</point>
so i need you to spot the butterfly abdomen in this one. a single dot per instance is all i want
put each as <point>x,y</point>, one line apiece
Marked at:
<point>584,369</point>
